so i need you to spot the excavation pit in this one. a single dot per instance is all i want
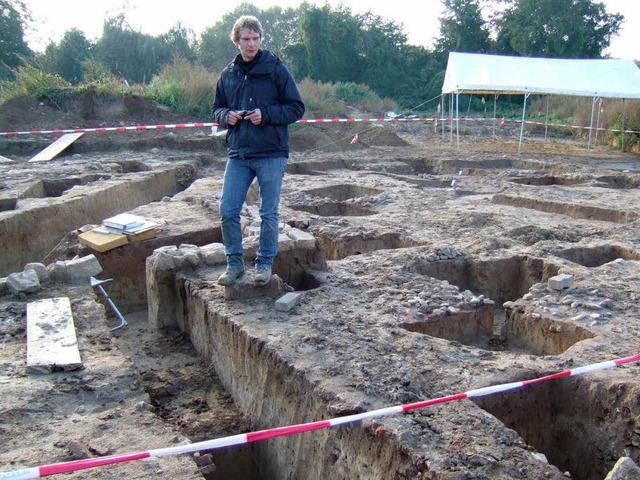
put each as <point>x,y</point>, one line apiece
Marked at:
<point>336,209</point>
<point>133,166</point>
<point>433,182</point>
<point>573,209</point>
<point>538,335</point>
<point>547,180</point>
<point>621,182</point>
<point>597,256</point>
<point>47,216</point>
<point>7,204</point>
<point>339,201</point>
<point>483,325</point>
<point>473,327</point>
<point>338,248</point>
<point>583,426</point>
<point>315,168</point>
<point>344,192</point>
<point>58,187</point>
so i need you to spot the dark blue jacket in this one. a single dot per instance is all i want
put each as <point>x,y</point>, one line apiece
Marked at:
<point>266,84</point>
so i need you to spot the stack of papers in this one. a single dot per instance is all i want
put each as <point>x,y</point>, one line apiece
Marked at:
<point>119,230</point>
<point>127,223</point>
<point>124,222</point>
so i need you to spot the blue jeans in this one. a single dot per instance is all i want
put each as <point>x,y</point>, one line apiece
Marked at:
<point>238,175</point>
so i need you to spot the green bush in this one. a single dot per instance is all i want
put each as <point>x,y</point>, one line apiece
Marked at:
<point>30,80</point>
<point>184,88</point>
<point>100,80</point>
<point>341,99</point>
<point>320,100</point>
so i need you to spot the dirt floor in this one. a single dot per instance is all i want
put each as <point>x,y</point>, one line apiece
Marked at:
<point>429,277</point>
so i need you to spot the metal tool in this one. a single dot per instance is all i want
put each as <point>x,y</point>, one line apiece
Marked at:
<point>98,284</point>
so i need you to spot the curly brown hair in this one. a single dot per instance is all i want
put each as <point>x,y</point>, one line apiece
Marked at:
<point>245,21</point>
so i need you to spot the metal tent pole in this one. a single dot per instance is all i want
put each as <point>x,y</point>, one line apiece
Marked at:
<point>593,105</point>
<point>546,120</point>
<point>598,120</point>
<point>441,113</point>
<point>524,109</point>
<point>495,109</point>
<point>624,122</point>
<point>451,118</point>
<point>458,120</point>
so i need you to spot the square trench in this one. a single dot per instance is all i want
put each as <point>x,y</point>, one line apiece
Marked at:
<point>572,422</point>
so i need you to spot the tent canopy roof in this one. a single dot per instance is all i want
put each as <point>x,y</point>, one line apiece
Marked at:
<point>479,73</point>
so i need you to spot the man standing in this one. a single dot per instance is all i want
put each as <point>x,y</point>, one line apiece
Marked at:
<point>256,100</point>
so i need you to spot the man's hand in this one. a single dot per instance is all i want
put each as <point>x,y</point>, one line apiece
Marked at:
<point>234,116</point>
<point>254,116</point>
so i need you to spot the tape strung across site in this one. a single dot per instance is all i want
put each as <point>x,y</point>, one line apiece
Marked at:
<point>201,125</point>
<point>436,121</point>
<point>65,467</point>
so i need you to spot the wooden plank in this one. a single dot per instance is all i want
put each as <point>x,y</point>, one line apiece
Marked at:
<point>56,147</point>
<point>51,336</point>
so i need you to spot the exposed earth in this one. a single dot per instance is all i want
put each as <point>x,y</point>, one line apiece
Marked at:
<point>431,274</point>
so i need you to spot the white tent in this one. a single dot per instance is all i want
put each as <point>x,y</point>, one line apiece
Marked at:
<point>471,73</point>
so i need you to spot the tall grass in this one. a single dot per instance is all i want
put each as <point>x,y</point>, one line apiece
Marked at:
<point>31,81</point>
<point>341,100</point>
<point>101,81</point>
<point>184,88</point>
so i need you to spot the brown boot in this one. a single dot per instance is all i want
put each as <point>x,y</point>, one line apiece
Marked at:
<point>230,276</point>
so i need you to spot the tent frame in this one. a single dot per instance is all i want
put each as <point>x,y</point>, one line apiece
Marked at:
<point>483,74</point>
<point>523,119</point>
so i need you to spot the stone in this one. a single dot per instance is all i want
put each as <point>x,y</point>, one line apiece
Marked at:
<point>23,282</point>
<point>302,239</point>
<point>561,282</point>
<point>40,269</point>
<point>83,268</point>
<point>624,469</point>
<point>288,301</point>
<point>213,254</point>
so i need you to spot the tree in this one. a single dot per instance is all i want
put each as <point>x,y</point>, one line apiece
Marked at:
<point>462,28</point>
<point>180,41</point>
<point>280,28</point>
<point>381,49</point>
<point>330,40</point>
<point>135,56</point>
<point>13,18</point>
<point>216,48</point>
<point>556,28</point>
<point>69,56</point>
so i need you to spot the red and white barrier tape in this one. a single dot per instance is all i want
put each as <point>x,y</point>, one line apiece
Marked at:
<point>111,129</point>
<point>434,120</point>
<point>244,438</point>
<point>198,125</point>
<point>367,120</point>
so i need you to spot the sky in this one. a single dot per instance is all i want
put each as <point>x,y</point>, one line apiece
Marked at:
<point>419,19</point>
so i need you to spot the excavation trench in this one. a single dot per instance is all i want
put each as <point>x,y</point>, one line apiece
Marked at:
<point>350,345</point>
<point>571,209</point>
<point>45,211</point>
<point>582,426</point>
<point>487,324</point>
<point>598,255</point>
<point>272,389</point>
